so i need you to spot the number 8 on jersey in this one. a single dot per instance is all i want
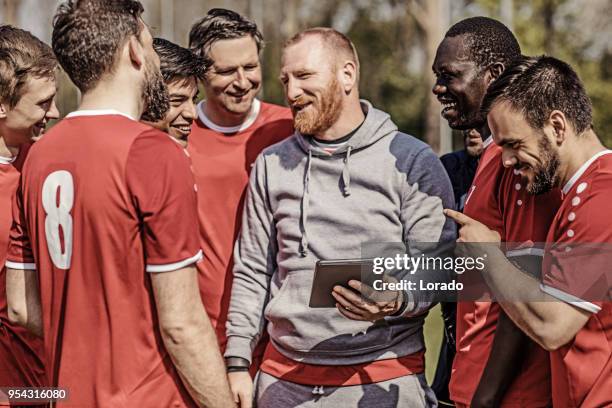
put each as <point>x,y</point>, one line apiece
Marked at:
<point>57,201</point>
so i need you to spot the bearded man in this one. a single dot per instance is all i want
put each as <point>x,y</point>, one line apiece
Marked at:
<point>346,177</point>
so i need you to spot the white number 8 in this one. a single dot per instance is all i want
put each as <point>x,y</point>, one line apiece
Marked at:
<point>57,200</point>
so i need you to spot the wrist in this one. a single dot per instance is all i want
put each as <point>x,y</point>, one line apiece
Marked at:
<point>236,364</point>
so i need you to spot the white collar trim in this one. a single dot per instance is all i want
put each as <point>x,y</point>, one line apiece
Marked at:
<point>487,142</point>
<point>7,160</point>
<point>97,112</point>
<point>567,187</point>
<point>250,119</point>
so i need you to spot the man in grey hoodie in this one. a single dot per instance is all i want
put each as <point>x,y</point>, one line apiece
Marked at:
<point>347,177</point>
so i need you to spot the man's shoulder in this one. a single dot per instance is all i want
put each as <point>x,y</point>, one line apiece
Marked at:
<point>271,110</point>
<point>275,118</point>
<point>284,146</point>
<point>407,149</point>
<point>454,160</point>
<point>407,145</point>
<point>102,133</point>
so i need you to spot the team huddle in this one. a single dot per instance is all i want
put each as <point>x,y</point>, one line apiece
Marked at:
<point>159,251</point>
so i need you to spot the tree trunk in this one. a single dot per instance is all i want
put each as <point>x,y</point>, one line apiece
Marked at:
<point>432,18</point>
<point>10,11</point>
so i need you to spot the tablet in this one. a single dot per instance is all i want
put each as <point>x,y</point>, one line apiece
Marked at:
<point>338,272</point>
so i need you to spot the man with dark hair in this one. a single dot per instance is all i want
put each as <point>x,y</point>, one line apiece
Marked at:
<point>347,177</point>
<point>495,364</point>
<point>232,128</point>
<point>27,103</point>
<point>104,235</point>
<point>540,115</point>
<point>181,70</point>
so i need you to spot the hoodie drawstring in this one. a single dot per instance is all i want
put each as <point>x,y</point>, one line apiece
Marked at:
<point>346,191</point>
<point>305,203</point>
<point>346,174</point>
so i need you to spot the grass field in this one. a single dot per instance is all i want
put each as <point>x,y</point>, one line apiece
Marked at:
<point>433,338</point>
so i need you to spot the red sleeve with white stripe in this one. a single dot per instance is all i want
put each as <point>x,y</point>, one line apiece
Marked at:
<point>161,183</point>
<point>578,268</point>
<point>20,254</point>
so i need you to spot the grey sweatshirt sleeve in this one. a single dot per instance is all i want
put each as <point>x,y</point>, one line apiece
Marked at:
<point>427,193</point>
<point>254,264</point>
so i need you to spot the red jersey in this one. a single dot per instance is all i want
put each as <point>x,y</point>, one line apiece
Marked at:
<point>20,352</point>
<point>104,201</point>
<point>498,199</point>
<point>582,369</point>
<point>222,158</point>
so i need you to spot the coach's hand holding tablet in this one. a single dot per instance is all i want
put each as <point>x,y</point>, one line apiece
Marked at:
<point>361,302</point>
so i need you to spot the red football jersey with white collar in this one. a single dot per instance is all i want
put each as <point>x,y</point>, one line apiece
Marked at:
<point>576,270</point>
<point>104,201</point>
<point>498,199</point>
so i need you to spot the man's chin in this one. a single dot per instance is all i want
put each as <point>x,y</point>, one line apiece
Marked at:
<point>239,108</point>
<point>36,135</point>
<point>461,123</point>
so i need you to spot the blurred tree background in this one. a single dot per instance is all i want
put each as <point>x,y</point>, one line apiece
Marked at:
<point>396,40</point>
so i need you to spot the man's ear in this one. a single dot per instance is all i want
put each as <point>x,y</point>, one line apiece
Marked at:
<point>349,76</point>
<point>135,51</point>
<point>494,71</point>
<point>3,110</point>
<point>559,124</point>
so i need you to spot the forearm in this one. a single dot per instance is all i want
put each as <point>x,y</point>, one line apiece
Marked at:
<point>418,301</point>
<point>23,300</point>
<point>196,356</point>
<point>548,321</point>
<point>245,322</point>
<point>250,293</point>
<point>508,352</point>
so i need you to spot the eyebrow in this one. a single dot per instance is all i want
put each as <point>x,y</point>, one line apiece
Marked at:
<point>218,66</point>
<point>505,142</point>
<point>47,98</point>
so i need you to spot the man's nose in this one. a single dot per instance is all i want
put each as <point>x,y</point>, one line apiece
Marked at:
<point>53,112</point>
<point>508,158</point>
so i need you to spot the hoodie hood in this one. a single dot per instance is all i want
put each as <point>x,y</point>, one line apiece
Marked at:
<point>376,125</point>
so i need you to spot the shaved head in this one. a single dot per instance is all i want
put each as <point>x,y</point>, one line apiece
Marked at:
<point>338,45</point>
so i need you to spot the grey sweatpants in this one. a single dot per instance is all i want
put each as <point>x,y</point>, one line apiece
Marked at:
<point>404,392</point>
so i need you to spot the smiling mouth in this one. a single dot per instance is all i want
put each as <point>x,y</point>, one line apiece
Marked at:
<point>238,94</point>
<point>184,130</point>
<point>39,128</point>
<point>448,106</point>
<point>523,170</point>
<point>300,107</point>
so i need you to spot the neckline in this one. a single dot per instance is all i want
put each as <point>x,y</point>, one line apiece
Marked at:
<point>7,160</point>
<point>570,183</point>
<point>97,112</point>
<point>250,119</point>
<point>487,142</point>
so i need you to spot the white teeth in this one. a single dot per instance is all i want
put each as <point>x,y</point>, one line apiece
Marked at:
<point>186,129</point>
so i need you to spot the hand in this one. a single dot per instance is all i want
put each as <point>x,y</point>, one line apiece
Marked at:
<point>471,230</point>
<point>241,385</point>
<point>370,306</point>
